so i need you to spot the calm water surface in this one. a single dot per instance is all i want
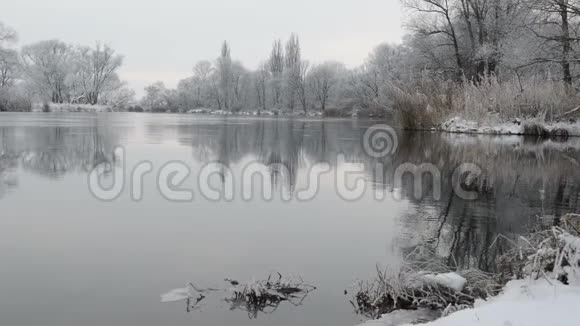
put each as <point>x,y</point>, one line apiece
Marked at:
<point>70,259</point>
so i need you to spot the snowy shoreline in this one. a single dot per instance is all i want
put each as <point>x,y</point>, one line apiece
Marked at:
<point>518,127</point>
<point>264,113</point>
<point>541,286</point>
<point>455,125</point>
<point>522,302</point>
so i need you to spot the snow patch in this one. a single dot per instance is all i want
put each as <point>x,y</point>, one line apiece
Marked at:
<point>515,127</point>
<point>67,107</point>
<point>539,303</point>
<point>178,294</point>
<point>450,280</point>
<point>460,125</point>
<point>400,317</point>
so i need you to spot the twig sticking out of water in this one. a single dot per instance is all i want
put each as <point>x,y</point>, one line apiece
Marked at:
<point>414,285</point>
<point>265,296</point>
<point>254,297</point>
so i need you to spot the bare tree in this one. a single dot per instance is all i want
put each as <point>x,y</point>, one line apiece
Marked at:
<point>300,84</point>
<point>7,34</point>
<point>8,66</point>
<point>202,72</point>
<point>239,84</point>
<point>261,78</point>
<point>224,69</point>
<point>293,68</point>
<point>120,97</point>
<point>437,21</point>
<point>323,79</point>
<point>8,57</point>
<point>103,66</point>
<point>555,23</point>
<point>155,98</point>
<point>385,67</point>
<point>47,64</point>
<point>276,63</point>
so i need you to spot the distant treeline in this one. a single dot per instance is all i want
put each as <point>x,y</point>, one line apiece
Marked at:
<point>498,58</point>
<point>482,59</point>
<point>56,72</point>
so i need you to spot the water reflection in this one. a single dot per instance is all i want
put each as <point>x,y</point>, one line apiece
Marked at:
<point>520,179</point>
<point>52,151</point>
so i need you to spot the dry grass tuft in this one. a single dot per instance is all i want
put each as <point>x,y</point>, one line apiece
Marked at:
<point>551,251</point>
<point>429,101</point>
<point>408,288</point>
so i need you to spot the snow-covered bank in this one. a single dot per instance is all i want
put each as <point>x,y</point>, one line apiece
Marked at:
<point>522,303</point>
<point>546,263</point>
<point>67,107</point>
<point>266,113</point>
<point>516,127</point>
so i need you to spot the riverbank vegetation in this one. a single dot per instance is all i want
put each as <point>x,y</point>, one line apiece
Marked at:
<point>53,75</point>
<point>255,297</point>
<point>549,253</point>
<point>487,62</point>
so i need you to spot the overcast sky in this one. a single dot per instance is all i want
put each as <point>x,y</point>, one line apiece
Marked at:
<point>162,40</point>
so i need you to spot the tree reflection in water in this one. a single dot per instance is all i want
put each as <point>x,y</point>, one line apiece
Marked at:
<point>521,178</point>
<point>515,169</point>
<point>54,151</point>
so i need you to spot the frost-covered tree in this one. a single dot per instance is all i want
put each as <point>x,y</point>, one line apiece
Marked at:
<point>386,66</point>
<point>8,66</point>
<point>555,24</point>
<point>155,98</point>
<point>196,91</point>
<point>323,79</point>
<point>201,76</point>
<point>225,73</point>
<point>65,73</point>
<point>102,66</point>
<point>465,38</point>
<point>47,65</point>
<point>300,84</point>
<point>261,78</point>
<point>8,57</point>
<point>293,69</point>
<point>241,85</point>
<point>7,34</point>
<point>14,96</point>
<point>94,72</point>
<point>276,63</point>
<point>188,94</point>
<point>121,97</point>
<point>435,23</point>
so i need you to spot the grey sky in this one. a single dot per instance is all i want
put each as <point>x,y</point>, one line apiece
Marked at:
<point>162,40</point>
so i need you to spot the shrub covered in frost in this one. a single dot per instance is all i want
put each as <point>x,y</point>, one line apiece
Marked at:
<point>552,252</point>
<point>422,282</point>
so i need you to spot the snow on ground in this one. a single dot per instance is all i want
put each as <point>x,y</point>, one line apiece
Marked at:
<point>460,125</point>
<point>178,294</point>
<point>401,317</point>
<point>516,142</point>
<point>522,303</point>
<point>451,280</point>
<point>67,107</point>
<point>267,113</point>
